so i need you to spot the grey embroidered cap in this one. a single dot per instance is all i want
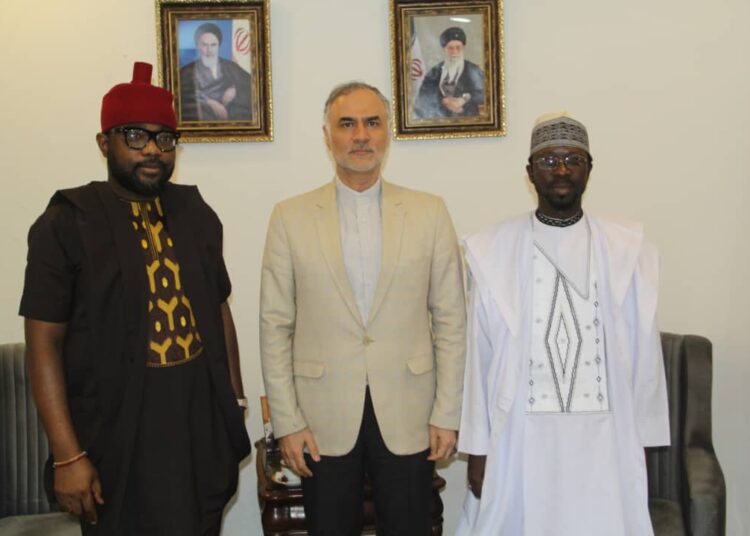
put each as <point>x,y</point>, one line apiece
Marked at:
<point>558,130</point>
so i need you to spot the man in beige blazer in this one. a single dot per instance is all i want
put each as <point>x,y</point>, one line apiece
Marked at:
<point>363,331</point>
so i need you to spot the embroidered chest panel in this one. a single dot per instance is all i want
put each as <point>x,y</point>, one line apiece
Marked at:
<point>567,370</point>
<point>173,337</point>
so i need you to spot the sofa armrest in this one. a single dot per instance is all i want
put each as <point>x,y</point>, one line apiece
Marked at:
<point>706,492</point>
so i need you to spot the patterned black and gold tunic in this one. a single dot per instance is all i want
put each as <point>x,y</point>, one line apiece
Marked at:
<point>173,337</point>
<point>140,290</point>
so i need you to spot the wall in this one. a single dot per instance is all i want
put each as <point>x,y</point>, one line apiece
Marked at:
<point>662,86</point>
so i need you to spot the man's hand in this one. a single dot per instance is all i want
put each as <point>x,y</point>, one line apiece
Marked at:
<point>475,474</point>
<point>218,109</point>
<point>454,104</point>
<point>442,442</point>
<point>76,484</point>
<point>229,95</point>
<point>292,450</point>
<point>78,489</point>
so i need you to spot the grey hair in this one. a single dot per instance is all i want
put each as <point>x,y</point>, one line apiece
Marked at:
<point>351,87</point>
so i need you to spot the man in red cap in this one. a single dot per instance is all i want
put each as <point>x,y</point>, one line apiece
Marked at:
<point>131,346</point>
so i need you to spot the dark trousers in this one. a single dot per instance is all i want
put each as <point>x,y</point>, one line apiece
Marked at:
<point>402,488</point>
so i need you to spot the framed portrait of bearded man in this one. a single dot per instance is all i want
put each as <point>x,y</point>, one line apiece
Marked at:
<point>215,58</point>
<point>447,68</point>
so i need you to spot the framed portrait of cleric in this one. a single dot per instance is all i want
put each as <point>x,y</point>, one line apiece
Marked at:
<point>447,68</point>
<point>215,58</point>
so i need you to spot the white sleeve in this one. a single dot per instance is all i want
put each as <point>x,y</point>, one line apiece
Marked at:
<point>474,434</point>
<point>650,387</point>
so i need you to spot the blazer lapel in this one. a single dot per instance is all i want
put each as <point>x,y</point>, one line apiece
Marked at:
<point>329,233</point>
<point>393,225</point>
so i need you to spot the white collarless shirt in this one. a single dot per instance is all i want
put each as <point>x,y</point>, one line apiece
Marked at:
<point>361,240</point>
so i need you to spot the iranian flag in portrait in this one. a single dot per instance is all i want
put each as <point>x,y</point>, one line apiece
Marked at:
<point>241,44</point>
<point>417,68</point>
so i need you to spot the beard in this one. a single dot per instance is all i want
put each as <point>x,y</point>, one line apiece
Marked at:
<point>210,62</point>
<point>453,68</point>
<point>561,202</point>
<point>351,163</point>
<point>129,176</point>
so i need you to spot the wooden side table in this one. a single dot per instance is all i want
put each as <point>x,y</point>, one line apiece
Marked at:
<point>282,511</point>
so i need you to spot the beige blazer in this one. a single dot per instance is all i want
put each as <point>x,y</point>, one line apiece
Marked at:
<point>318,355</point>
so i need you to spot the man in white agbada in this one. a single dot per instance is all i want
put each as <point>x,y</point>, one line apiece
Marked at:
<point>564,383</point>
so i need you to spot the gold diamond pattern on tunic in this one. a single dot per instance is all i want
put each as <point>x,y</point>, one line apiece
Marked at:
<point>173,337</point>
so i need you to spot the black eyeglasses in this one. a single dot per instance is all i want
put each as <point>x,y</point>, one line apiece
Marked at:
<point>137,138</point>
<point>552,161</point>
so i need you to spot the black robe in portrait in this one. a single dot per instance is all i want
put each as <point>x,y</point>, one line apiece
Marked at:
<point>197,85</point>
<point>471,82</point>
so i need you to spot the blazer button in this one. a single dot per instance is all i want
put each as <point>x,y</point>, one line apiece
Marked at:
<point>367,340</point>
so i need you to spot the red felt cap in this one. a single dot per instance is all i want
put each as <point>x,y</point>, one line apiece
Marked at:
<point>138,102</point>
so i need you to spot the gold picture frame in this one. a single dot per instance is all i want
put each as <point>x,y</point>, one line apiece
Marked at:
<point>447,69</point>
<point>215,58</point>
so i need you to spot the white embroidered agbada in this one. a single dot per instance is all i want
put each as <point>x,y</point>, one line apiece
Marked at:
<point>566,472</point>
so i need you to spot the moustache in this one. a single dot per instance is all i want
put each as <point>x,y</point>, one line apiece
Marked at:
<point>563,182</point>
<point>358,148</point>
<point>151,162</point>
